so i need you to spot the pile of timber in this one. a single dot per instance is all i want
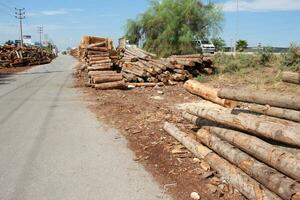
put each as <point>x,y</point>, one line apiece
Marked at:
<point>98,57</point>
<point>255,146</point>
<point>11,56</point>
<point>291,77</point>
<point>143,67</point>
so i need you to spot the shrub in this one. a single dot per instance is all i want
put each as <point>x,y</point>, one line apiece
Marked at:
<point>291,59</point>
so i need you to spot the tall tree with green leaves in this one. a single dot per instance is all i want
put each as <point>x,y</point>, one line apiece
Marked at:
<point>170,26</point>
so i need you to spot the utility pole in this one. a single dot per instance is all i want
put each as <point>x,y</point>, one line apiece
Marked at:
<point>237,25</point>
<point>20,14</point>
<point>40,31</point>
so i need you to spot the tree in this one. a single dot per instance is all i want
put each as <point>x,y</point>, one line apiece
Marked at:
<point>170,26</point>
<point>9,42</point>
<point>241,45</point>
<point>219,43</point>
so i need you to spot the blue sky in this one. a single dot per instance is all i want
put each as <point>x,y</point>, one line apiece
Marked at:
<point>270,22</point>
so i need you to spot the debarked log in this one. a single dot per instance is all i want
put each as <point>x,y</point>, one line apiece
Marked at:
<point>278,183</point>
<point>270,154</point>
<point>107,78</point>
<point>233,175</point>
<point>111,85</point>
<point>283,113</point>
<point>276,99</point>
<point>291,77</point>
<point>206,92</point>
<point>263,127</point>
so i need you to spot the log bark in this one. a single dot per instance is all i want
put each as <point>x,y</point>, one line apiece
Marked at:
<point>276,99</point>
<point>291,77</point>
<point>278,183</point>
<point>276,112</point>
<point>277,158</point>
<point>233,175</point>
<point>109,78</point>
<point>207,93</point>
<point>111,85</point>
<point>263,127</point>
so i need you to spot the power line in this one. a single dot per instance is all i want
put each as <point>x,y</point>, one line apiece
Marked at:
<point>20,14</point>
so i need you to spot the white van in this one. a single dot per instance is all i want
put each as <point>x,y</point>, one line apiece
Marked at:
<point>205,46</point>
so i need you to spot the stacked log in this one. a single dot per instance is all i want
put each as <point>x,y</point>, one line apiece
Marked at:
<point>11,56</point>
<point>141,66</point>
<point>257,142</point>
<point>291,77</point>
<point>98,57</point>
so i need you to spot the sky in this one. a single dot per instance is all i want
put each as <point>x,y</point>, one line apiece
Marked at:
<point>269,22</point>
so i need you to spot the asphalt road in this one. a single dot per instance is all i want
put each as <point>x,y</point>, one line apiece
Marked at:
<point>53,148</point>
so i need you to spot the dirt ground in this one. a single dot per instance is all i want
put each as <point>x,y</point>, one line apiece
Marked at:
<point>139,114</point>
<point>12,70</point>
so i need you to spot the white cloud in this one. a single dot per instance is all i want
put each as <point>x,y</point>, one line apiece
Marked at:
<point>60,11</point>
<point>262,5</point>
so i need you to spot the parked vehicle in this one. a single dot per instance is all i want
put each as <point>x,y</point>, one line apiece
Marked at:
<point>205,46</point>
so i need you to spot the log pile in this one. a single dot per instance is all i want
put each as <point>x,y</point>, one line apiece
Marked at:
<point>11,56</point>
<point>141,66</point>
<point>98,57</point>
<point>254,146</point>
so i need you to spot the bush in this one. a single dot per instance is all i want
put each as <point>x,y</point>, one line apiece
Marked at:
<point>265,55</point>
<point>291,59</point>
<point>230,64</point>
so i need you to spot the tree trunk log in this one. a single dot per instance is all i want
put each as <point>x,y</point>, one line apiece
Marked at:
<point>100,73</point>
<point>145,84</point>
<point>279,159</point>
<point>111,85</point>
<point>99,68</point>
<point>276,112</point>
<point>291,77</point>
<point>259,126</point>
<point>278,183</point>
<point>276,99</point>
<point>109,78</point>
<point>233,175</point>
<point>207,93</point>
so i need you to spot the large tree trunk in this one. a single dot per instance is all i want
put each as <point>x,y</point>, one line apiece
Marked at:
<point>275,99</point>
<point>276,112</point>
<point>264,127</point>
<point>278,183</point>
<point>291,77</point>
<point>279,159</point>
<point>111,85</point>
<point>233,175</point>
<point>109,78</point>
<point>207,93</point>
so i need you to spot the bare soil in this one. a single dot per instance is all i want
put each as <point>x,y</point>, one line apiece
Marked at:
<point>139,114</point>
